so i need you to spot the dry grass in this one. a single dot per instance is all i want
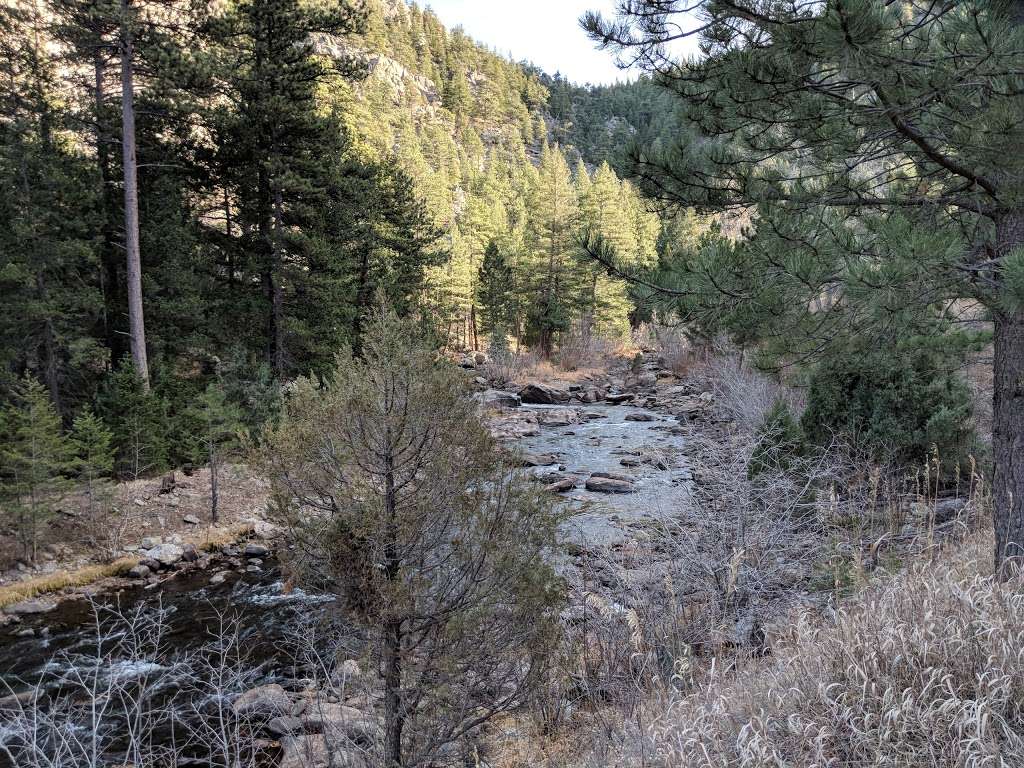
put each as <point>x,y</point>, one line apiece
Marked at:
<point>209,539</point>
<point>53,582</point>
<point>922,669</point>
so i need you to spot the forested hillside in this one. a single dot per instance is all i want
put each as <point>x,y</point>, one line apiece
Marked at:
<point>220,194</point>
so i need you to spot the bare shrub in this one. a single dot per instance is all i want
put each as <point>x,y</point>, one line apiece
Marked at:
<point>131,701</point>
<point>578,349</point>
<point>677,349</point>
<point>924,670</point>
<point>746,394</point>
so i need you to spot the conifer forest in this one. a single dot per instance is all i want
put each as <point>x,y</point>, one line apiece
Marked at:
<point>372,396</point>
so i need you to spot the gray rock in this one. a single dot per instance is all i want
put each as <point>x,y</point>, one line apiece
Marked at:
<point>139,571</point>
<point>622,397</point>
<point>496,398</point>
<point>166,554</point>
<point>256,550</point>
<point>190,519</point>
<point>561,486</point>
<point>264,700</point>
<point>189,553</point>
<point>285,725</point>
<point>639,416</point>
<point>543,394</point>
<point>265,530</point>
<point>150,541</point>
<point>612,476</point>
<point>219,577</point>
<point>317,751</point>
<point>537,459</point>
<point>342,722</point>
<point>592,395</point>
<point>25,607</point>
<point>608,485</point>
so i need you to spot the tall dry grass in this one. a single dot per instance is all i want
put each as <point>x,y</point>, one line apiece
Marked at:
<point>922,669</point>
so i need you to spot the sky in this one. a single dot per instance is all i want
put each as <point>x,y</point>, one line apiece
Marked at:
<point>545,32</point>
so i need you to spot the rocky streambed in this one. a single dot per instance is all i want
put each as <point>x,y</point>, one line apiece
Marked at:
<point>613,457</point>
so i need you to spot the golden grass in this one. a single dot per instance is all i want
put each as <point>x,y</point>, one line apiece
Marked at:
<point>210,539</point>
<point>52,582</point>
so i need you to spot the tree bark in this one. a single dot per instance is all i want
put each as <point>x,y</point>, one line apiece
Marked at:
<point>110,259</point>
<point>393,719</point>
<point>394,716</point>
<point>136,322</point>
<point>214,489</point>
<point>1008,419</point>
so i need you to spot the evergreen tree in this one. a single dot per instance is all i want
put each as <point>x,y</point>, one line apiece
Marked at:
<point>47,259</point>
<point>553,212</point>
<point>219,425</point>
<point>137,420</point>
<point>35,456</point>
<point>879,145</point>
<point>277,141</point>
<point>496,290</point>
<point>92,465</point>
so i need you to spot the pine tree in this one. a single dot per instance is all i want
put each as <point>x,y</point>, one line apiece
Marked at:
<point>276,139</point>
<point>137,420</point>
<point>394,499</point>
<point>553,218</point>
<point>220,424</point>
<point>47,258</point>
<point>35,457</point>
<point>879,145</point>
<point>495,292</point>
<point>92,465</point>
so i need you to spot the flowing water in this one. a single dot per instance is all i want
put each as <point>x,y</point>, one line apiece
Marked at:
<point>602,442</point>
<point>46,646</point>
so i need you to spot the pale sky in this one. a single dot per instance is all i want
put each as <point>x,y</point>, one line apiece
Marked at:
<point>546,32</point>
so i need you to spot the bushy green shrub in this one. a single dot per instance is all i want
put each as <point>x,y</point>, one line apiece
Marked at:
<point>897,404</point>
<point>777,442</point>
<point>138,420</point>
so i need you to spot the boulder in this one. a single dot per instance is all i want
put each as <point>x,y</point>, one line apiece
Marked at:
<point>189,553</point>
<point>25,607</point>
<point>190,519</point>
<point>265,530</point>
<point>317,751</point>
<point>561,486</point>
<point>608,485</point>
<point>285,725</point>
<point>621,397</point>
<point>641,380</point>
<point>265,700</point>
<point>496,398</point>
<point>219,577</point>
<point>537,459</point>
<point>639,416</point>
<point>165,554</point>
<point>558,417</point>
<point>630,461</point>
<point>256,550</point>
<point>139,571</point>
<point>592,395</point>
<point>542,394</point>
<point>342,723</point>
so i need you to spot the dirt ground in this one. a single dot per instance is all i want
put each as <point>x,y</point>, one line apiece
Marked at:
<point>137,510</point>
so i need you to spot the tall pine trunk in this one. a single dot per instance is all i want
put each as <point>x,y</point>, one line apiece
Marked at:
<point>1008,417</point>
<point>110,258</point>
<point>394,715</point>
<point>136,323</point>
